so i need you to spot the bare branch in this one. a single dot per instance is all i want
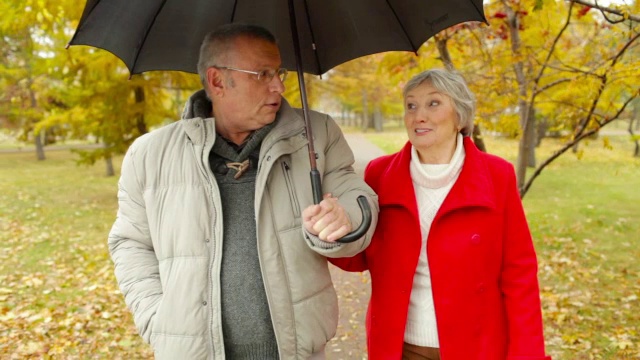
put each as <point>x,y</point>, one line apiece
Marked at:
<point>570,144</point>
<point>604,9</point>
<point>624,49</point>
<point>550,85</point>
<point>570,105</point>
<point>552,49</point>
<point>481,44</point>
<point>581,132</point>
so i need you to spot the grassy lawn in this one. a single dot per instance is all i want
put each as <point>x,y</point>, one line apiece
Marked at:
<point>59,299</point>
<point>58,296</point>
<point>584,212</point>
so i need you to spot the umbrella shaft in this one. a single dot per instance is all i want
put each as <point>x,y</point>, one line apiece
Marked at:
<point>315,175</point>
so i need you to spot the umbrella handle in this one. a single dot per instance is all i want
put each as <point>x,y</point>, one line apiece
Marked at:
<point>362,202</point>
<point>364,225</point>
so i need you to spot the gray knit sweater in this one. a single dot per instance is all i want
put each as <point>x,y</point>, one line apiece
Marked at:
<point>246,321</point>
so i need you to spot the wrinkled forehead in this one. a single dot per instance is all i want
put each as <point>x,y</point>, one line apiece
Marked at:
<point>254,51</point>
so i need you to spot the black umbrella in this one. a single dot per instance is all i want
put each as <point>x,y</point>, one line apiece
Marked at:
<point>313,36</point>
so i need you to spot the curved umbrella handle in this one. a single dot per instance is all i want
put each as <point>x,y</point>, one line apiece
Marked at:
<point>364,226</point>
<point>316,187</point>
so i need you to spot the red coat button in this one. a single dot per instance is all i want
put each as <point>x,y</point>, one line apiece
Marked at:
<point>475,239</point>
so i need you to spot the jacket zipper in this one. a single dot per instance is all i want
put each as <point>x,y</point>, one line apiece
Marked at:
<point>293,199</point>
<point>208,176</point>
<point>265,279</point>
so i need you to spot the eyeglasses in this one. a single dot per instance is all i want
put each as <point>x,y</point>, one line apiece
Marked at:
<point>264,75</point>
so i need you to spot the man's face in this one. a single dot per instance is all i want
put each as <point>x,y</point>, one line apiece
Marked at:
<point>245,103</point>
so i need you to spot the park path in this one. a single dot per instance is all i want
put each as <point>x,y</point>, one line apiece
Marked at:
<point>353,288</point>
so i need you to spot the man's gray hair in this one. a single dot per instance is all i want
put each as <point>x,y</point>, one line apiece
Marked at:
<point>217,44</point>
<point>453,85</point>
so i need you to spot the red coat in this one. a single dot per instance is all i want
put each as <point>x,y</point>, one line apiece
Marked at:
<point>481,259</point>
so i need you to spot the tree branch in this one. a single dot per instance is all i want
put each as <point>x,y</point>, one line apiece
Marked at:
<point>552,49</point>
<point>581,132</point>
<point>550,85</point>
<point>608,10</point>
<point>570,144</point>
<point>624,49</point>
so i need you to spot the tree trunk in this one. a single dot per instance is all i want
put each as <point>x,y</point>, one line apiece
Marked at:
<point>140,124</point>
<point>109,162</point>
<point>531,139</point>
<point>365,111</point>
<point>527,141</point>
<point>541,131</point>
<point>39,146</point>
<point>636,150</point>
<point>377,119</point>
<point>40,136</point>
<point>477,139</point>
<point>445,57</point>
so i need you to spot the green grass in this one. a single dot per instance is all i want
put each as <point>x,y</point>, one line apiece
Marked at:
<point>583,211</point>
<point>59,298</point>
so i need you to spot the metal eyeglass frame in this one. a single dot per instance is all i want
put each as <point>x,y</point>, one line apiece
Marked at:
<point>263,74</point>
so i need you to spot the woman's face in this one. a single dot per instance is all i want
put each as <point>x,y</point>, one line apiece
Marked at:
<point>432,123</point>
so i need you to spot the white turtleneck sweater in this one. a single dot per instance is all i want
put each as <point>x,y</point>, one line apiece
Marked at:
<point>431,183</point>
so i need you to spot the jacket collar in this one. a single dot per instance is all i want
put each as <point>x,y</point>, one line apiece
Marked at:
<point>288,124</point>
<point>200,126</point>
<point>473,187</point>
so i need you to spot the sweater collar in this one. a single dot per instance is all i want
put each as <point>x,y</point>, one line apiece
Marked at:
<point>447,174</point>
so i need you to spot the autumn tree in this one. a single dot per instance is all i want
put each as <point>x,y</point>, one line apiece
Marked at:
<point>81,93</point>
<point>565,77</point>
<point>364,89</point>
<point>542,67</point>
<point>103,104</point>
<point>33,34</point>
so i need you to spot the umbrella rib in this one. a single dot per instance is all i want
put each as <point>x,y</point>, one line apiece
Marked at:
<point>415,49</point>
<point>313,39</point>
<point>146,34</point>
<point>480,11</point>
<point>233,12</point>
<point>86,13</point>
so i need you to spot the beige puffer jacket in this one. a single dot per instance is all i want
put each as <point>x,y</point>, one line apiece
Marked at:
<point>166,240</point>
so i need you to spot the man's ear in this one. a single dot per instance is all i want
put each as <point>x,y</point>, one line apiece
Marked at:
<point>215,82</point>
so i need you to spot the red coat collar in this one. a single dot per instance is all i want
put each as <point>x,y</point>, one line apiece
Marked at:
<point>473,188</point>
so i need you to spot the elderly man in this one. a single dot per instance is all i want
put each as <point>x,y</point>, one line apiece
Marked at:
<point>218,248</point>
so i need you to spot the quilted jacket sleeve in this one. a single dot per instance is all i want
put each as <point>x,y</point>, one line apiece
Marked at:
<point>358,262</point>
<point>339,179</point>
<point>131,249</point>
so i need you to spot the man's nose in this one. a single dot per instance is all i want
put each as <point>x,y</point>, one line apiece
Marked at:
<point>276,85</point>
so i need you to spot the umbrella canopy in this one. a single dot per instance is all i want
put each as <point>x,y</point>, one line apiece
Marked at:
<point>166,34</point>
<point>313,37</point>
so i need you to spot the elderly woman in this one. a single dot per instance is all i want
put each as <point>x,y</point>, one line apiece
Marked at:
<point>452,263</point>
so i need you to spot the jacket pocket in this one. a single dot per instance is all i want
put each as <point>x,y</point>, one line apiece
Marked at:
<point>293,199</point>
